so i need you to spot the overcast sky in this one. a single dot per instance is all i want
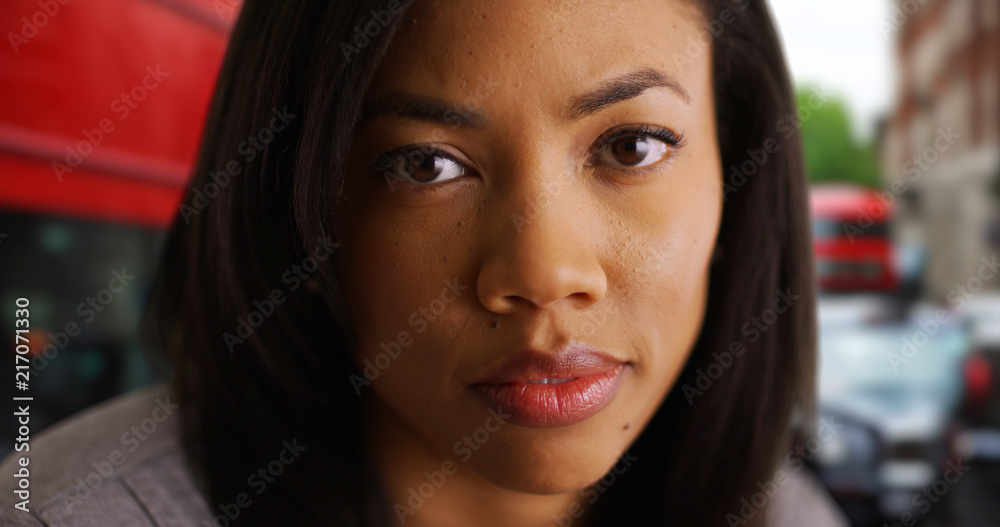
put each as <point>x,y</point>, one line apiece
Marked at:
<point>840,43</point>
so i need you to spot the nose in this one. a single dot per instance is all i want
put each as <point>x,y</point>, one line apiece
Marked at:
<point>542,253</point>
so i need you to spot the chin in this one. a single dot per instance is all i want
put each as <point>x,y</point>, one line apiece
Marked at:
<point>554,465</point>
<point>543,482</point>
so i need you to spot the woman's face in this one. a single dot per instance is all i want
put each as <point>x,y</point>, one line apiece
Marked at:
<point>530,211</point>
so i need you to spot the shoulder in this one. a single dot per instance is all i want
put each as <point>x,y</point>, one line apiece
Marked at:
<point>117,463</point>
<point>802,500</point>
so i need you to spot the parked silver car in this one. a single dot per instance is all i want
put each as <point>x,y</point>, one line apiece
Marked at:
<point>894,383</point>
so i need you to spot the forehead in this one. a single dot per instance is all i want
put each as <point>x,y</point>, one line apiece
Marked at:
<point>542,52</point>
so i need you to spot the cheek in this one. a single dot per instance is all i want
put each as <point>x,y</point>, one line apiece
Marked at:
<point>383,277</point>
<point>670,280</point>
<point>402,289</point>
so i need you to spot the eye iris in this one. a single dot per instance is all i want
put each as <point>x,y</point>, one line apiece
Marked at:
<point>423,167</point>
<point>631,151</point>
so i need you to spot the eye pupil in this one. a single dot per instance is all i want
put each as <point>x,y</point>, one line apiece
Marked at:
<point>631,151</point>
<point>420,166</point>
<point>423,167</point>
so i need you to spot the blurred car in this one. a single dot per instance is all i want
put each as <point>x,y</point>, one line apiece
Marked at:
<point>893,385</point>
<point>851,240</point>
<point>979,437</point>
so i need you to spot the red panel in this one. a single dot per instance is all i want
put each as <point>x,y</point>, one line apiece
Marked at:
<point>843,202</point>
<point>30,186</point>
<point>87,66</point>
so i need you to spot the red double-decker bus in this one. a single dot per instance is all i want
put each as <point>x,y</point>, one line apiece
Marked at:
<point>102,105</point>
<point>854,251</point>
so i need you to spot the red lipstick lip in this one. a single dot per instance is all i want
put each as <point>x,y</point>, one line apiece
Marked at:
<point>586,379</point>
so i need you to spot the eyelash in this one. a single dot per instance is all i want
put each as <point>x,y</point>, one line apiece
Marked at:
<point>666,135</point>
<point>387,160</point>
<point>673,140</point>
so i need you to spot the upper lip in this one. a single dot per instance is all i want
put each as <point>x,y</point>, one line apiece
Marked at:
<point>574,360</point>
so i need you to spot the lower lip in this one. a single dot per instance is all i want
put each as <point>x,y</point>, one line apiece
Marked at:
<point>552,405</point>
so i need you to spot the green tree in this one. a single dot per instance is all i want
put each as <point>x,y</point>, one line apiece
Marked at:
<point>832,153</point>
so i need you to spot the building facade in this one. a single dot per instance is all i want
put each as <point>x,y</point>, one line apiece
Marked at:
<point>941,142</point>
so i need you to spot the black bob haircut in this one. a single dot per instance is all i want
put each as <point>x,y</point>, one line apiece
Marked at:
<point>263,208</point>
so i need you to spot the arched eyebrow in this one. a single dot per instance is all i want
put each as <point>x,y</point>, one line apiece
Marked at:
<point>424,108</point>
<point>431,109</point>
<point>621,89</point>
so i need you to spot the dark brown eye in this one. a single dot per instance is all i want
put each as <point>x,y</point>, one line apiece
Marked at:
<point>633,151</point>
<point>423,167</point>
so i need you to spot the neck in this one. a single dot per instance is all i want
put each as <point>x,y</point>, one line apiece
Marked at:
<point>426,487</point>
